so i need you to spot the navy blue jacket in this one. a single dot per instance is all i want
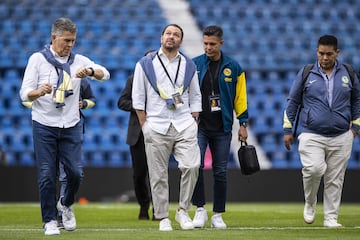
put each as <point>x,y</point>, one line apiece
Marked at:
<point>316,115</point>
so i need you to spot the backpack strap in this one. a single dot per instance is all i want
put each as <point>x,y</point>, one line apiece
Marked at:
<point>351,72</point>
<point>305,74</point>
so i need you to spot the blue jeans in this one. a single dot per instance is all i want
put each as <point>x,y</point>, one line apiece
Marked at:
<point>62,179</point>
<point>64,144</point>
<point>219,144</point>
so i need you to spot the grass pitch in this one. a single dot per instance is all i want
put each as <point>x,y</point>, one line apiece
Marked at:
<point>103,221</point>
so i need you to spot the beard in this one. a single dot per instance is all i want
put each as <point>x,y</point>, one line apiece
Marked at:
<point>170,46</point>
<point>327,65</point>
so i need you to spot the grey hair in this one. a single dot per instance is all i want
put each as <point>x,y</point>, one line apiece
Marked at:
<point>63,24</point>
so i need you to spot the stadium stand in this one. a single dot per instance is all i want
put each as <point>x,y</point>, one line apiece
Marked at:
<point>271,39</point>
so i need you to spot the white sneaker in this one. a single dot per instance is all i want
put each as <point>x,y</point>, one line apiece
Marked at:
<point>332,223</point>
<point>217,221</point>
<point>200,217</point>
<point>68,216</point>
<point>183,218</point>
<point>165,225</point>
<point>309,213</point>
<point>50,228</point>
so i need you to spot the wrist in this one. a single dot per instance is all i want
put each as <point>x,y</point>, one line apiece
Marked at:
<point>84,104</point>
<point>244,124</point>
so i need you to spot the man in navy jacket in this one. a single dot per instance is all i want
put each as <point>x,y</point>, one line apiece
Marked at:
<point>330,119</point>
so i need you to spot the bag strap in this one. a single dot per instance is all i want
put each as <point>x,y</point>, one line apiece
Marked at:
<point>243,143</point>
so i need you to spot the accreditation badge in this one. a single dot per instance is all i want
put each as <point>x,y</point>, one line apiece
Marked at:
<point>178,102</point>
<point>214,103</point>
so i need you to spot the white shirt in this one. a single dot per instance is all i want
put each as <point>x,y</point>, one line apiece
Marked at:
<point>144,97</point>
<point>39,71</point>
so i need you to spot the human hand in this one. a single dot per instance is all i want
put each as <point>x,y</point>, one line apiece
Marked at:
<point>83,72</point>
<point>353,132</point>
<point>45,88</point>
<point>288,140</point>
<point>242,134</point>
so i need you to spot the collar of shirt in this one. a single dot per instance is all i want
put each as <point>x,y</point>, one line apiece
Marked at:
<point>171,68</point>
<point>329,82</point>
<point>165,59</point>
<point>57,57</point>
<point>158,115</point>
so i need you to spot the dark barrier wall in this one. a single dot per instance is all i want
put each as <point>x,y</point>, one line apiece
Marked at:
<point>115,184</point>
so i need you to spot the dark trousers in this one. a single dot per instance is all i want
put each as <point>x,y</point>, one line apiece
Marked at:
<point>50,144</point>
<point>140,173</point>
<point>219,144</point>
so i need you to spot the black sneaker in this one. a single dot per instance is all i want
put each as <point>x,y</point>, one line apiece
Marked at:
<point>144,215</point>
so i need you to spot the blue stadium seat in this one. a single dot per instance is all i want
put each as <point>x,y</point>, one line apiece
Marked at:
<point>11,159</point>
<point>97,160</point>
<point>115,159</point>
<point>27,159</point>
<point>6,60</point>
<point>262,36</point>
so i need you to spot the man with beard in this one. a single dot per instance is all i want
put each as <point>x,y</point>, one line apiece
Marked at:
<point>167,100</point>
<point>330,119</point>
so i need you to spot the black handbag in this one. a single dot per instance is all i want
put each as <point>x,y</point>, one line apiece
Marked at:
<point>248,159</point>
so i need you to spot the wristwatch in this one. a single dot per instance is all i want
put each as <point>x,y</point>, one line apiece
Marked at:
<point>92,72</point>
<point>244,124</point>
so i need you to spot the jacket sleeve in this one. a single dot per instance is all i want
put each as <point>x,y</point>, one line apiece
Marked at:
<point>240,102</point>
<point>355,105</point>
<point>86,94</point>
<point>293,103</point>
<point>125,101</point>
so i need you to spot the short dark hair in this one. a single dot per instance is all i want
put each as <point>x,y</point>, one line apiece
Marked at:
<point>213,31</point>
<point>328,40</point>
<point>173,25</point>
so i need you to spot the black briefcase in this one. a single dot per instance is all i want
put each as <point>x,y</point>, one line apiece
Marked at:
<point>248,160</point>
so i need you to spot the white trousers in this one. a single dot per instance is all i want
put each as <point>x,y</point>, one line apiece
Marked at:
<point>325,157</point>
<point>185,149</point>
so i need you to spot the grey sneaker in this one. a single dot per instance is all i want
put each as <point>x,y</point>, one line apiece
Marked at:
<point>309,213</point>
<point>332,223</point>
<point>217,221</point>
<point>50,228</point>
<point>183,218</point>
<point>165,225</point>
<point>200,217</point>
<point>68,216</point>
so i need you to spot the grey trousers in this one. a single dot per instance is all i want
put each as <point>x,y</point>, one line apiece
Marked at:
<point>325,157</point>
<point>185,149</point>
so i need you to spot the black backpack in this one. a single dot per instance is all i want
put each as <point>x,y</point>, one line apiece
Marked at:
<point>305,75</point>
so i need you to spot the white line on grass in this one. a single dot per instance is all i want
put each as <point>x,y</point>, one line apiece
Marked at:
<point>150,229</point>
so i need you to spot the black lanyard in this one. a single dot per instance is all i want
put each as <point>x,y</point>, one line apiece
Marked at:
<point>212,79</point>
<point>177,71</point>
